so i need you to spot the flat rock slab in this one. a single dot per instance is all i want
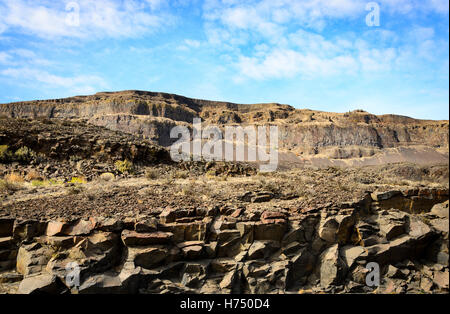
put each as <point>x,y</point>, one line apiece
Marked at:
<point>133,238</point>
<point>42,284</point>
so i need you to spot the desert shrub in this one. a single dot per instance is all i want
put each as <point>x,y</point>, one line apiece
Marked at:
<point>11,182</point>
<point>38,183</point>
<point>107,176</point>
<point>77,180</point>
<point>168,180</point>
<point>5,154</point>
<point>211,173</point>
<point>55,182</point>
<point>188,189</point>
<point>76,189</point>
<point>33,175</point>
<point>151,174</point>
<point>14,178</point>
<point>6,186</point>
<point>24,155</point>
<point>181,174</point>
<point>268,186</point>
<point>75,158</point>
<point>124,166</point>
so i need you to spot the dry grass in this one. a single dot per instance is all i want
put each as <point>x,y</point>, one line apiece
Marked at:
<point>181,174</point>
<point>11,183</point>
<point>33,175</point>
<point>151,174</point>
<point>189,188</point>
<point>14,178</point>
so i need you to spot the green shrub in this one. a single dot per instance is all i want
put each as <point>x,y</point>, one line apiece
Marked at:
<point>55,182</point>
<point>77,180</point>
<point>24,155</point>
<point>124,166</point>
<point>5,154</point>
<point>38,183</point>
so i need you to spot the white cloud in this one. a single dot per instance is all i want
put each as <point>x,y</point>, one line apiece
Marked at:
<point>268,17</point>
<point>4,57</point>
<point>275,39</point>
<point>192,43</point>
<point>97,19</point>
<point>417,7</point>
<point>19,56</point>
<point>287,63</point>
<point>33,76</point>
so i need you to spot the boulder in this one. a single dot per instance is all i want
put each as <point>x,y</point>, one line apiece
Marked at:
<point>148,258</point>
<point>392,230</point>
<point>261,197</point>
<point>6,227</point>
<point>273,217</point>
<point>81,227</point>
<point>194,274</point>
<point>332,267</point>
<point>441,210</point>
<point>230,282</point>
<point>109,224</point>
<point>328,229</point>
<point>57,242</point>
<point>300,268</point>
<point>345,229</point>
<point>28,229</point>
<point>147,224</point>
<point>108,283</point>
<point>383,196</point>
<point>132,238</point>
<point>269,231</point>
<point>6,243</point>
<point>228,243</point>
<point>96,253</point>
<point>441,279</point>
<point>56,228</point>
<point>351,253</point>
<point>394,272</point>
<point>191,249</point>
<point>246,230</point>
<point>32,258</point>
<point>262,249</point>
<point>41,284</point>
<point>426,284</point>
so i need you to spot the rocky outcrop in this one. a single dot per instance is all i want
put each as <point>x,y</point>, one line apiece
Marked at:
<point>76,140</point>
<point>215,252</point>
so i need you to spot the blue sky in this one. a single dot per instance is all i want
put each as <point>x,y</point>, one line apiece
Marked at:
<point>317,54</point>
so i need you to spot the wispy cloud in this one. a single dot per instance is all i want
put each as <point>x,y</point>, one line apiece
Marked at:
<point>39,78</point>
<point>97,19</point>
<point>278,39</point>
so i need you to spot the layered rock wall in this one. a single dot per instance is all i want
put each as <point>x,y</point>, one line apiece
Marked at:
<point>214,251</point>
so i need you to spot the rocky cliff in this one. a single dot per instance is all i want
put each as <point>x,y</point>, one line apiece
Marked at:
<point>306,136</point>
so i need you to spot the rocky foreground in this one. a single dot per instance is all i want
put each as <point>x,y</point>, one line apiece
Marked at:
<point>219,249</point>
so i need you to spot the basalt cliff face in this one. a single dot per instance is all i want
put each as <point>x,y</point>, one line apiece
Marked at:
<point>305,136</point>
